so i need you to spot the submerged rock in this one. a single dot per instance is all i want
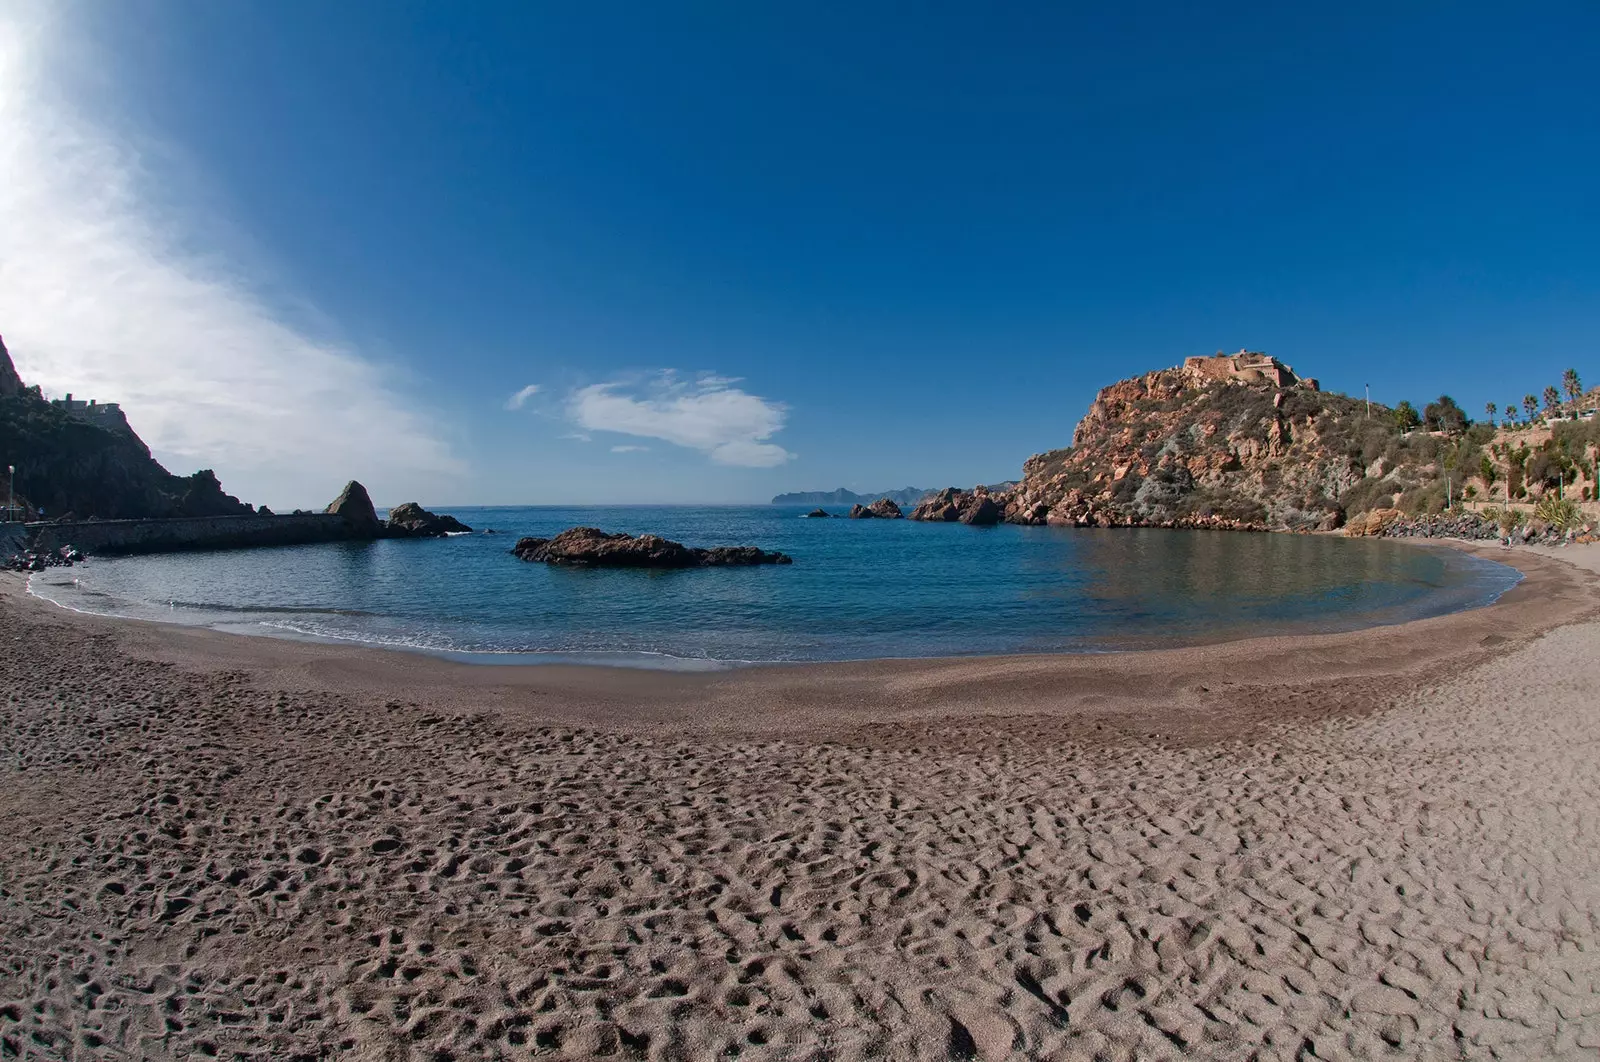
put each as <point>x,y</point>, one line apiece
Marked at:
<point>591,547</point>
<point>413,521</point>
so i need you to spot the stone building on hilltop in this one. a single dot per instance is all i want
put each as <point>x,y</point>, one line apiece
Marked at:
<point>90,410</point>
<point>1247,366</point>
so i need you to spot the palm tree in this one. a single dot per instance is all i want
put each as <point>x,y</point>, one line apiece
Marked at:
<point>1552,399</point>
<point>1511,412</point>
<point>1530,405</point>
<point>1570,384</point>
<point>1492,410</point>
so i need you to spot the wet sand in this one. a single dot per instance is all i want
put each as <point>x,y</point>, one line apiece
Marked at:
<point>1382,843</point>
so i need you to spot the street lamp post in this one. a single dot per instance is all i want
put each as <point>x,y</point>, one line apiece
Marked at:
<point>11,492</point>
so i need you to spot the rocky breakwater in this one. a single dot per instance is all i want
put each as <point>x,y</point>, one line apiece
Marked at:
<point>590,547</point>
<point>882,509</point>
<point>978,507</point>
<point>1472,527</point>
<point>39,560</point>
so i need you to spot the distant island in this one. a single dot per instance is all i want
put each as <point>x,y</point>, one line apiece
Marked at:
<point>906,497</point>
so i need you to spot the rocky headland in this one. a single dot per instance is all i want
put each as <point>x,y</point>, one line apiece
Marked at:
<point>81,460</point>
<point>1242,442</point>
<point>590,547</point>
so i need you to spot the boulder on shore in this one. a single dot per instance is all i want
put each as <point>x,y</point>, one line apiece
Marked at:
<point>413,521</point>
<point>355,505</point>
<point>1372,523</point>
<point>591,547</point>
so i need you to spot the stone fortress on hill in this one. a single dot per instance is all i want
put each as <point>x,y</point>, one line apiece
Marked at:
<point>105,414</point>
<point>1247,366</point>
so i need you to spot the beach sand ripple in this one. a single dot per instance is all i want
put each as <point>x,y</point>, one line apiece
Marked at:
<point>206,863</point>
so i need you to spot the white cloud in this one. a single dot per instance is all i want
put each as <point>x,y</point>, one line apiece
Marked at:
<point>101,295</point>
<point>581,436</point>
<point>630,449</point>
<point>518,400</point>
<point>729,425</point>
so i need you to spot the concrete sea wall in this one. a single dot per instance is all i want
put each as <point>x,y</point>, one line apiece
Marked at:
<point>201,532</point>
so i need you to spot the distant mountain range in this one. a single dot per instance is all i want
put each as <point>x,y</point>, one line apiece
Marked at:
<point>905,497</point>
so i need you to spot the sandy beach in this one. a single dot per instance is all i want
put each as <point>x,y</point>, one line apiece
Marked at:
<point>1377,844</point>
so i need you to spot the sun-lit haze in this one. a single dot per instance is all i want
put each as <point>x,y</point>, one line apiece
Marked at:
<point>100,295</point>
<point>507,253</point>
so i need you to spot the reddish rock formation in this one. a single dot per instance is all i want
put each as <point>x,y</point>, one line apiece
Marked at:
<point>882,509</point>
<point>978,506</point>
<point>591,547</point>
<point>1213,444</point>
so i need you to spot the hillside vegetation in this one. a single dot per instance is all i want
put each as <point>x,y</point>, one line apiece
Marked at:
<point>1180,448</point>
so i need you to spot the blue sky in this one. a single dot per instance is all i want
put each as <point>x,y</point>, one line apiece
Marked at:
<point>738,249</point>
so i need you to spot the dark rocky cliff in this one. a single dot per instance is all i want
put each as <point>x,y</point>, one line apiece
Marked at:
<point>69,464</point>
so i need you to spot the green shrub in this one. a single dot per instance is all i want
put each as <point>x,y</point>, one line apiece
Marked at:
<point>1369,493</point>
<point>1421,500</point>
<point>1562,514</point>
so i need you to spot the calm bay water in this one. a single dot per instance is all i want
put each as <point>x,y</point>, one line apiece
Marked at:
<point>857,589</point>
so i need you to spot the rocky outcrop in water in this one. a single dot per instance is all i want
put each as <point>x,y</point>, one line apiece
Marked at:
<point>354,505</point>
<point>819,514</point>
<point>882,509</point>
<point>979,507</point>
<point>413,521</point>
<point>590,547</point>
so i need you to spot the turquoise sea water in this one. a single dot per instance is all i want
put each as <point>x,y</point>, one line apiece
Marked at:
<point>857,589</point>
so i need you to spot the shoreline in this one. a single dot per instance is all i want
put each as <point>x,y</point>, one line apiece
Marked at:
<point>1383,843</point>
<point>647,661</point>
<point>1548,595</point>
